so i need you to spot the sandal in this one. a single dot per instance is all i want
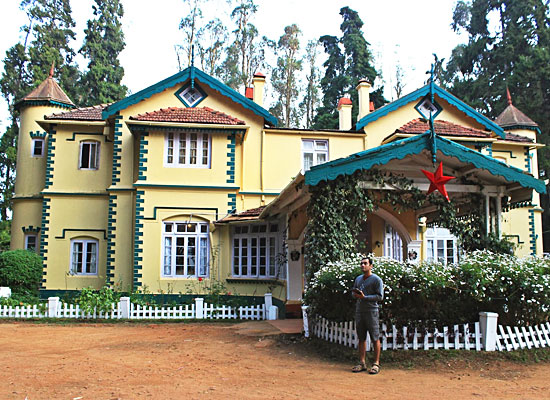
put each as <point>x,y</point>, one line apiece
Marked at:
<point>359,367</point>
<point>374,369</point>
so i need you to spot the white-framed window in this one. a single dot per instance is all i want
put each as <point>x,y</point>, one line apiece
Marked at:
<point>393,245</point>
<point>187,149</point>
<point>84,254</point>
<point>31,241</point>
<point>185,250</point>
<point>441,245</point>
<point>37,148</point>
<point>191,95</point>
<point>255,251</point>
<point>314,152</point>
<point>89,155</point>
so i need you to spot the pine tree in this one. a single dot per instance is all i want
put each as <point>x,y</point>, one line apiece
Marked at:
<point>344,69</point>
<point>51,29</point>
<point>103,43</point>
<point>191,26</point>
<point>284,77</point>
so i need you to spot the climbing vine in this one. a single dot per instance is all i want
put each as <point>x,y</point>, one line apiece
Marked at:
<point>338,208</point>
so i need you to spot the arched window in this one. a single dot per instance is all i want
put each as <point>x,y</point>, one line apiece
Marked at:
<point>84,254</point>
<point>185,251</point>
<point>89,155</point>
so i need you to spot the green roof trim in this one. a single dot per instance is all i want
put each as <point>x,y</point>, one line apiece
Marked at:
<point>442,93</point>
<point>182,77</point>
<point>400,149</point>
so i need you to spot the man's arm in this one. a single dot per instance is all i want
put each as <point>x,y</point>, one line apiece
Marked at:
<point>379,295</point>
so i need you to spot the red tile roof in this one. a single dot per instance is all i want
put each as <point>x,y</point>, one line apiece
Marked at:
<point>201,115</point>
<point>512,137</point>
<point>80,114</point>
<point>443,128</point>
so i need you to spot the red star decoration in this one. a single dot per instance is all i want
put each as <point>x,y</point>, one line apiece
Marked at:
<point>438,180</point>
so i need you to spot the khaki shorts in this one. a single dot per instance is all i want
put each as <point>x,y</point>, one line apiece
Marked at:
<point>368,322</point>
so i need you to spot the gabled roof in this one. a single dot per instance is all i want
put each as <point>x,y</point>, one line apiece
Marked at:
<point>200,115</point>
<point>92,113</point>
<point>189,73</point>
<point>381,155</point>
<point>48,91</point>
<point>423,91</point>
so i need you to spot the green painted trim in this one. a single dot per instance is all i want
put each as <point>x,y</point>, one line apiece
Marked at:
<point>528,157</point>
<point>435,103</point>
<point>65,230</point>
<point>414,145</point>
<point>195,86</point>
<point>73,137</point>
<point>138,239</point>
<point>526,127</point>
<point>43,103</point>
<point>121,189</point>
<point>50,152</point>
<point>117,151</point>
<point>230,173</point>
<point>45,227</point>
<point>154,217</point>
<point>425,90</point>
<point>262,193</point>
<point>111,235</point>
<point>532,233</point>
<point>34,197</point>
<point>182,77</point>
<point>30,229</point>
<point>506,152</point>
<point>517,237</point>
<point>155,185</point>
<point>81,194</point>
<point>142,157</point>
<point>231,203</point>
<point>38,135</point>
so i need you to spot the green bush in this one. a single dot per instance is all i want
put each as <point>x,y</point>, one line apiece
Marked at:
<point>21,270</point>
<point>517,289</point>
<point>99,300</point>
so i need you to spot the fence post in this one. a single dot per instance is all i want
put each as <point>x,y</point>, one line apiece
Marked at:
<point>5,291</point>
<point>124,305</point>
<point>271,310</point>
<point>199,308</point>
<point>488,325</point>
<point>306,322</point>
<point>53,303</point>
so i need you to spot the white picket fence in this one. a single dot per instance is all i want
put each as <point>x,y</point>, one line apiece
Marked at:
<point>513,338</point>
<point>126,310</point>
<point>464,336</point>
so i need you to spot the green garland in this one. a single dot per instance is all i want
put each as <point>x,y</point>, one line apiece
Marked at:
<point>339,207</point>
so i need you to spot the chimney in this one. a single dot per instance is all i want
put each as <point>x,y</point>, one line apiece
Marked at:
<point>344,111</point>
<point>249,93</point>
<point>363,90</point>
<point>258,82</point>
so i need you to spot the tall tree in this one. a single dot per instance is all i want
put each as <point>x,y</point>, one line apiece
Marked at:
<point>344,69</point>
<point>190,25</point>
<point>103,43</point>
<point>284,77</point>
<point>214,36</point>
<point>51,29</point>
<point>310,101</point>
<point>246,54</point>
<point>508,47</point>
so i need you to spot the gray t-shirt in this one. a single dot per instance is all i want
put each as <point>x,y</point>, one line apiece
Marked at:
<point>373,289</point>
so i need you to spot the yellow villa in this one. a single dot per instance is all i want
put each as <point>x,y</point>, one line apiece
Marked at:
<point>188,182</point>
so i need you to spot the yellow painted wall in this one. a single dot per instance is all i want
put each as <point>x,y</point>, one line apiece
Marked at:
<point>26,212</point>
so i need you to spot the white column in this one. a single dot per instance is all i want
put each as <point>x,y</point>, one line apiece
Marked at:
<point>487,214</point>
<point>53,303</point>
<point>199,308</point>
<point>124,305</point>
<point>499,215</point>
<point>488,325</point>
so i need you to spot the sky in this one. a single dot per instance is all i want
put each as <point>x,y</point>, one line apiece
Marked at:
<point>400,32</point>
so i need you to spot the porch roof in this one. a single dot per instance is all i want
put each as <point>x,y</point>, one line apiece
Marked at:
<point>457,156</point>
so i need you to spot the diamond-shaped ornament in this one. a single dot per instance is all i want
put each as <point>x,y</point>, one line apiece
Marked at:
<point>425,107</point>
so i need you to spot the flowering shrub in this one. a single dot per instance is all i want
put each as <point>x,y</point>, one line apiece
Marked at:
<point>517,289</point>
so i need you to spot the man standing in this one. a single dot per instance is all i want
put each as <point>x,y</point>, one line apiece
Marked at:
<point>368,289</point>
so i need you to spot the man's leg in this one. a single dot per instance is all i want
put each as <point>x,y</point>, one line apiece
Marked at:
<point>377,352</point>
<point>362,350</point>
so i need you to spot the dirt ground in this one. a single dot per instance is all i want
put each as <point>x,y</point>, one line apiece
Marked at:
<point>222,361</point>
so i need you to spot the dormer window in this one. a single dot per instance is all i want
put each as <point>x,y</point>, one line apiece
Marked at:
<point>191,95</point>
